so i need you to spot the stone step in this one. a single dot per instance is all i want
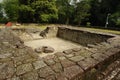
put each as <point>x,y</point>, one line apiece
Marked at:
<point>112,72</point>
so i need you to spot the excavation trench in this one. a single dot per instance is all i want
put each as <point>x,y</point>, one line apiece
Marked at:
<point>62,38</point>
<point>78,55</point>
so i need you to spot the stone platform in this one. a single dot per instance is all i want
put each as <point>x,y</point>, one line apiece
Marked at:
<point>19,62</point>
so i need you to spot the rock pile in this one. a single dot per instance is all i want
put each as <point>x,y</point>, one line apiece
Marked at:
<point>15,58</point>
<point>44,49</point>
<point>7,36</point>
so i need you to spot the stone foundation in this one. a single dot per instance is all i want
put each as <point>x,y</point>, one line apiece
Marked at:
<point>19,62</point>
<point>82,37</point>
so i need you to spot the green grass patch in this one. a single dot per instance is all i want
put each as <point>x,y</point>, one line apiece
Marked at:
<point>102,30</point>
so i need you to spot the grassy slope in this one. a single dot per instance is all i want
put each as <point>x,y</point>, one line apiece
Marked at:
<point>41,26</point>
<point>102,30</point>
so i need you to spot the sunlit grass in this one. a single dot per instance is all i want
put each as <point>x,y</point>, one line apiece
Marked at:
<point>103,30</point>
<point>43,26</point>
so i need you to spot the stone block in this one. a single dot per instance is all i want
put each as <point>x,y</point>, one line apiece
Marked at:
<point>49,62</point>
<point>87,63</point>
<point>30,76</point>
<point>61,77</point>
<point>7,70</point>
<point>41,79</point>
<point>61,58</point>
<point>45,71</point>
<point>22,59</point>
<point>68,51</point>
<point>48,49</point>
<point>70,55</point>
<point>39,64</point>
<point>14,78</point>
<point>56,59</point>
<point>49,57</point>
<point>3,60</point>
<point>84,52</point>
<point>57,67</point>
<point>72,72</point>
<point>39,49</point>
<point>30,52</point>
<point>112,51</point>
<point>66,63</point>
<point>100,57</point>
<point>52,77</point>
<point>5,55</point>
<point>19,52</point>
<point>76,49</point>
<point>76,58</point>
<point>59,54</point>
<point>24,68</point>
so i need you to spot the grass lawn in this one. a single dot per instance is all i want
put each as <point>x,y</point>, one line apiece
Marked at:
<point>43,26</point>
<point>102,30</point>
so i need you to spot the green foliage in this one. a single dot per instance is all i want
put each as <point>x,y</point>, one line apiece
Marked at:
<point>26,14</point>
<point>11,9</point>
<point>61,11</point>
<point>65,11</point>
<point>38,11</point>
<point>45,10</point>
<point>115,18</point>
<point>88,24</point>
<point>99,11</point>
<point>82,11</point>
<point>2,17</point>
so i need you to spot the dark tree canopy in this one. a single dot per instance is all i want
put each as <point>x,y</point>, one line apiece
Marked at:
<point>77,12</point>
<point>37,10</point>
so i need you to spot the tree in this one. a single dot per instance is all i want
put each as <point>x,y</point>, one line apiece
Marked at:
<point>26,14</point>
<point>82,11</point>
<point>100,10</point>
<point>11,9</point>
<point>37,10</point>
<point>45,10</point>
<point>1,12</point>
<point>3,17</point>
<point>65,11</point>
<point>115,17</point>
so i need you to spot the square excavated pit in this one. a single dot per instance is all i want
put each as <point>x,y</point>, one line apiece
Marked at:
<point>57,43</point>
<point>67,38</point>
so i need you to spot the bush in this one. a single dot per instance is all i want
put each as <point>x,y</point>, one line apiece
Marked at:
<point>88,24</point>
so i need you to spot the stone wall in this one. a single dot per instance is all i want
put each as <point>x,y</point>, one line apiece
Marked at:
<point>19,62</point>
<point>82,37</point>
<point>52,32</point>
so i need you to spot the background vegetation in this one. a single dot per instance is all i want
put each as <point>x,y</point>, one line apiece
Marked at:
<point>75,12</point>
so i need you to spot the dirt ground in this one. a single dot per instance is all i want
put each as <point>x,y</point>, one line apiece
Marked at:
<point>58,44</point>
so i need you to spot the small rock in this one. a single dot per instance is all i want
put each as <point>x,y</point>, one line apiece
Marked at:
<point>5,43</point>
<point>90,45</point>
<point>69,51</point>
<point>48,49</point>
<point>39,50</point>
<point>5,55</point>
<point>39,64</point>
<point>45,49</point>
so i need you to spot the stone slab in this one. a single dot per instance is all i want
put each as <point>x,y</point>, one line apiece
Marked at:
<point>24,68</point>
<point>39,64</point>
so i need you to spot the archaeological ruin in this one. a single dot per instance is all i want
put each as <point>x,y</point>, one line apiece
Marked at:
<point>58,53</point>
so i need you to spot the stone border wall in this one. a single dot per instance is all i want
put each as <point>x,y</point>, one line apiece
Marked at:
<point>82,37</point>
<point>19,62</point>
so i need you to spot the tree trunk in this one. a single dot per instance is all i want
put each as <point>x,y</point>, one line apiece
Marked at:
<point>79,22</point>
<point>67,21</point>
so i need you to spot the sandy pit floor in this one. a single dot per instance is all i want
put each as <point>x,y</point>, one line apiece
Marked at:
<point>57,43</point>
